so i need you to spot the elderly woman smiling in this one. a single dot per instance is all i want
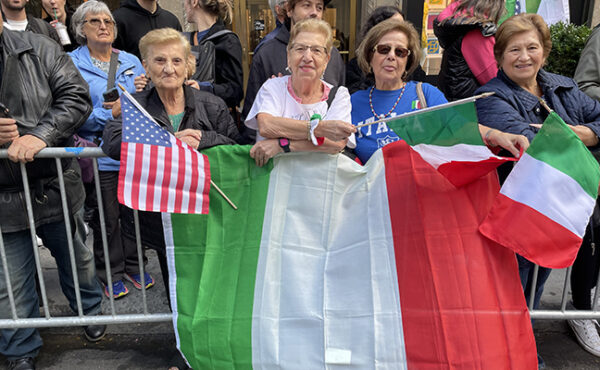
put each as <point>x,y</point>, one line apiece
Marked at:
<point>302,112</point>
<point>95,30</point>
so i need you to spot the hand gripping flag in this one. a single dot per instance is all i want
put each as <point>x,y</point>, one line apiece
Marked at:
<point>545,203</point>
<point>159,172</point>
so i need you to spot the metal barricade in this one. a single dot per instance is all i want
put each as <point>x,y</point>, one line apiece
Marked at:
<point>80,319</point>
<point>113,317</point>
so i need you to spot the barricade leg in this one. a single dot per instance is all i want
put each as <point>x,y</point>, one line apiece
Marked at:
<point>24,342</point>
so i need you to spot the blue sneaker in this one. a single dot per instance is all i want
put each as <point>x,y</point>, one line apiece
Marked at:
<point>119,290</point>
<point>136,280</point>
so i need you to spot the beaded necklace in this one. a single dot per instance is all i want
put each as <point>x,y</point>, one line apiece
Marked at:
<point>381,116</point>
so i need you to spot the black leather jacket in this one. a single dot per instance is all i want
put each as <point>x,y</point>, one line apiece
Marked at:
<point>49,99</point>
<point>455,79</point>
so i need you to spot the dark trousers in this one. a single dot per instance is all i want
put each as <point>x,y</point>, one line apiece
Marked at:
<point>584,274</point>
<point>122,252</point>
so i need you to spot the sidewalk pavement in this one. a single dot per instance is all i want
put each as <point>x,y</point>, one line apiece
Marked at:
<point>152,346</point>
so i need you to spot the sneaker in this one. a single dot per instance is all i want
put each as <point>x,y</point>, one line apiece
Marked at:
<point>119,290</point>
<point>136,280</point>
<point>587,335</point>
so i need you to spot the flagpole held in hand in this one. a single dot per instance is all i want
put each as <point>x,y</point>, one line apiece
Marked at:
<point>144,112</point>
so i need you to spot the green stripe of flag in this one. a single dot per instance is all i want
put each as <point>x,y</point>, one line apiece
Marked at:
<point>227,243</point>
<point>444,127</point>
<point>556,137</point>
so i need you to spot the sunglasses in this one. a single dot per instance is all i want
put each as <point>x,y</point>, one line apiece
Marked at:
<point>385,50</point>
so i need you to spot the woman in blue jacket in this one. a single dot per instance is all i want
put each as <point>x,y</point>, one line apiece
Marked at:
<point>522,46</point>
<point>95,29</point>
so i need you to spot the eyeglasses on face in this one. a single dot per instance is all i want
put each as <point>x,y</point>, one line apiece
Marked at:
<point>316,50</point>
<point>385,50</point>
<point>96,22</point>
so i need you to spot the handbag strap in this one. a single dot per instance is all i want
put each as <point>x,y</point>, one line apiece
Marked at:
<point>112,70</point>
<point>421,96</point>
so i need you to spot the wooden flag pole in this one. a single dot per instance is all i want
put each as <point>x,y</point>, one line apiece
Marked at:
<point>430,109</point>
<point>138,106</point>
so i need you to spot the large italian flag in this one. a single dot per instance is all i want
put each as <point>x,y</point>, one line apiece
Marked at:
<point>328,264</point>
<point>546,201</point>
<point>552,11</point>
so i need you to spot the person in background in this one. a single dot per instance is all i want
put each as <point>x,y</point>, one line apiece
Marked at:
<point>355,78</point>
<point>210,17</point>
<point>389,53</point>
<point>522,45</point>
<point>279,9</point>
<point>584,274</point>
<point>46,116</point>
<point>271,58</point>
<point>135,18</point>
<point>465,29</point>
<point>58,11</point>
<point>301,112</point>
<point>16,19</point>
<point>95,30</point>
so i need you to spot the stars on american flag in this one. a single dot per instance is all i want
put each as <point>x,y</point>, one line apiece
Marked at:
<point>140,130</point>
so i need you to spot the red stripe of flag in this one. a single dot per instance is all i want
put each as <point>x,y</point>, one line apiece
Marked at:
<point>194,184</point>
<point>137,175</point>
<point>164,194</point>
<point>150,186</point>
<point>206,188</point>
<point>122,172</point>
<point>461,300</point>
<point>180,177</point>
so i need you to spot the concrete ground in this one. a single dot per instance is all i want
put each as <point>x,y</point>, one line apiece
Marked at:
<point>151,346</point>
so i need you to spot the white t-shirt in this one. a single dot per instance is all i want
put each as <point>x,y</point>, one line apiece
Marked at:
<point>275,99</point>
<point>15,25</point>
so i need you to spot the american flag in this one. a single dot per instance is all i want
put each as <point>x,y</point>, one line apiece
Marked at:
<point>159,172</point>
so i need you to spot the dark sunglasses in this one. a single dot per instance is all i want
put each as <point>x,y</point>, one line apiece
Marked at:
<point>385,50</point>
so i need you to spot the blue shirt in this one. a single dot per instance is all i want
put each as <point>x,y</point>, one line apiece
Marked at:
<point>370,138</point>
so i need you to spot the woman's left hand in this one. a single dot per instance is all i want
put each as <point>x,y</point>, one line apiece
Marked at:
<point>586,134</point>
<point>511,142</point>
<point>190,136</point>
<point>193,83</point>
<point>265,150</point>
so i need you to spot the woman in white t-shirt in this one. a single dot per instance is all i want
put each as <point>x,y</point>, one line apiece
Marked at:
<point>294,113</point>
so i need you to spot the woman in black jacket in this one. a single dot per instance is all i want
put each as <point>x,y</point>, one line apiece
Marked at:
<point>227,80</point>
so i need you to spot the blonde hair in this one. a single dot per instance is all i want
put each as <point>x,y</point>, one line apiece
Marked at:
<point>221,8</point>
<point>519,24</point>
<point>312,25</point>
<point>168,36</point>
<point>366,48</point>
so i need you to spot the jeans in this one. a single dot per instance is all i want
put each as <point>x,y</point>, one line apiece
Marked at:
<point>25,342</point>
<point>526,275</point>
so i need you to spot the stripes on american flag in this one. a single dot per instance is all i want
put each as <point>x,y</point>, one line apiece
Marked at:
<point>159,172</point>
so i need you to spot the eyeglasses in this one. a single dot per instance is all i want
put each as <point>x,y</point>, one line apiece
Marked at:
<point>316,50</point>
<point>385,50</point>
<point>96,22</point>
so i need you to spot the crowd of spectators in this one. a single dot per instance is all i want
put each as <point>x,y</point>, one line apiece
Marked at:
<point>300,96</point>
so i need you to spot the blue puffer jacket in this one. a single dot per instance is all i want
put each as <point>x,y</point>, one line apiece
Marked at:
<point>129,68</point>
<point>512,108</point>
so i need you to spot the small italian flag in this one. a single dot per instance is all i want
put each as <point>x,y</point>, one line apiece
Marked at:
<point>448,138</point>
<point>327,264</point>
<point>545,203</point>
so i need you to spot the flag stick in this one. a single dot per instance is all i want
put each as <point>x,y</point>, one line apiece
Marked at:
<point>545,105</point>
<point>430,109</point>
<point>138,106</point>
<point>222,194</point>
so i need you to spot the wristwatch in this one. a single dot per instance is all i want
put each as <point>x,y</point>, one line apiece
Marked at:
<point>284,144</point>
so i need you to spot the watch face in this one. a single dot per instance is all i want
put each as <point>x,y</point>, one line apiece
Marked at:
<point>284,142</point>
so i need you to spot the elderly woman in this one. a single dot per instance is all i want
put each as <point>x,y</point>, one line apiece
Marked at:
<point>522,46</point>
<point>465,29</point>
<point>198,118</point>
<point>210,17</point>
<point>103,68</point>
<point>301,112</point>
<point>390,52</point>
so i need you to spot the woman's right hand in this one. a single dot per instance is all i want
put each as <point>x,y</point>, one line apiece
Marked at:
<point>264,150</point>
<point>335,130</point>
<point>140,82</point>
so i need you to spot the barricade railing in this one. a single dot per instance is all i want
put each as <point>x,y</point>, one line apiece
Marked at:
<point>112,317</point>
<point>47,320</point>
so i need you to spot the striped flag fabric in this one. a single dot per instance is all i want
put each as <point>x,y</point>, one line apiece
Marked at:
<point>159,172</point>
<point>330,264</point>
<point>546,201</point>
<point>447,137</point>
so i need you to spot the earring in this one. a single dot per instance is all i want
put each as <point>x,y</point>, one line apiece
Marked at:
<point>288,70</point>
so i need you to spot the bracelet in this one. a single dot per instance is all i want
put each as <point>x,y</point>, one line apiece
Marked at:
<point>308,130</point>
<point>486,138</point>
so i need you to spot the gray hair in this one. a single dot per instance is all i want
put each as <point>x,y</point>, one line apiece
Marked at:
<point>272,4</point>
<point>78,20</point>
